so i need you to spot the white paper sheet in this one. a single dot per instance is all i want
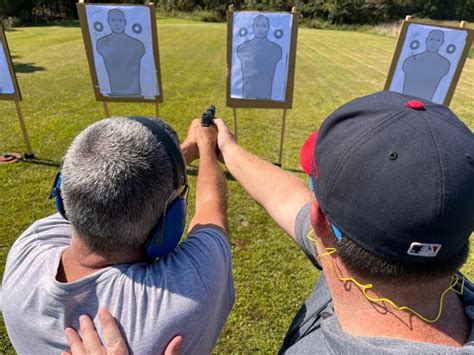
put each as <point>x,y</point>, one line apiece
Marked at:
<point>428,61</point>
<point>260,55</point>
<point>6,82</point>
<point>123,50</point>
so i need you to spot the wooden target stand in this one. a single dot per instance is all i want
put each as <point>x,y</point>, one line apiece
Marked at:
<point>258,103</point>
<point>282,133</point>
<point>10,158</point>
<point>81,10</point>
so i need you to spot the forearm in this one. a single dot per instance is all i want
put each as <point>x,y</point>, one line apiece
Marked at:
<point>280,193</point>
<point>211,193</point>
<point>190,152</point>
<point>211,185</point>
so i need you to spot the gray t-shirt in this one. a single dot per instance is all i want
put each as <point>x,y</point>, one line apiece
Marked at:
<point>315,328</point>
<point>189,293</point>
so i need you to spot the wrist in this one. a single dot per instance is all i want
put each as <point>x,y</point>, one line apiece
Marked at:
<point>190,151</point>
<point>207,152</point>
<point>228,148</point>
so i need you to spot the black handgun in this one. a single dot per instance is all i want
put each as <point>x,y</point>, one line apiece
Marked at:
<point>208,116</point>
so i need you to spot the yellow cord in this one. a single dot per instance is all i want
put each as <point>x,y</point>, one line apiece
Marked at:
<point>454,280</point>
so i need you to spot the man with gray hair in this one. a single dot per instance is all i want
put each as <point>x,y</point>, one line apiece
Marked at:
<point>117,187</point>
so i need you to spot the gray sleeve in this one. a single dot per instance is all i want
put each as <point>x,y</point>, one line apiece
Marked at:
<point>210,254</point>
<point>46,233</point>
<point>302,228</point>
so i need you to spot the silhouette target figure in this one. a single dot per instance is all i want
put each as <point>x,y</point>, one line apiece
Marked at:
<point>122,56</point>
<point>424,71</point>
<point>259,58</point>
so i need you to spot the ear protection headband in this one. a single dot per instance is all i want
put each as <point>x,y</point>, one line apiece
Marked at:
<point>170,227</point>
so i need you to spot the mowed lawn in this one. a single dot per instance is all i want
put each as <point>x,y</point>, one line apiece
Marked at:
<point>272,277</point>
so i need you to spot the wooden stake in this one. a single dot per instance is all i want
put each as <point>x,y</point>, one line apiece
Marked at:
<point>29,152</point>
<point>106,109</point>
<point>463,24</point>
<point>407,18</point>
<point>157,109</point>
<point>282,136</point>
<point>234,110</point>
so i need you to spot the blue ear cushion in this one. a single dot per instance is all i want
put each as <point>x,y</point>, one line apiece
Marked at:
<point>167,234</point>
<point>60,207</point>
<point>58,198</point>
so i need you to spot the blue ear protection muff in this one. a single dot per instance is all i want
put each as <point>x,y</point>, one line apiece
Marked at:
<point>56,193</point>
<point>167,233</point>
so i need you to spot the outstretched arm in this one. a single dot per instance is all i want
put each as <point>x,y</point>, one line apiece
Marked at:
<point>280,193</point>
<point>211,188</point>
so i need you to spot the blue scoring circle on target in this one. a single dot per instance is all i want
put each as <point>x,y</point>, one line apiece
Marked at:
<point>414,44</point>
<point>137,28</point>
<point>451,48</point>
<point>243,32</point>
<point>98,26</point>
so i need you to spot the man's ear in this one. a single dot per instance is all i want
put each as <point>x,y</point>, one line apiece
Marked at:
<point>319,221</point>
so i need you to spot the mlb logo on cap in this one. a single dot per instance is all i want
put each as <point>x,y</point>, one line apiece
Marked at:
<point>424,249</point>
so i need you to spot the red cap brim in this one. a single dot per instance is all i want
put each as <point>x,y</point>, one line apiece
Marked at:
<point>307,151</point>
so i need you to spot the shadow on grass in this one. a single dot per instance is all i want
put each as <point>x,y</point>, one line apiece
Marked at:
<point>60,23</point>
<point>193,171</point>
<point>27,68</point>
<point>39,161</point>
<point>46,23</point>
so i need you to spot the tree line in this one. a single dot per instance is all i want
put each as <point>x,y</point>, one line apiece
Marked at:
<point>332,11</point>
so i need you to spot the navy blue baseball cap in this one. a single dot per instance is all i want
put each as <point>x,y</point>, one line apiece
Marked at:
<point>395,175</point>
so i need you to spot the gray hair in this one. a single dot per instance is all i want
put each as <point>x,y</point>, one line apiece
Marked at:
<point>116,180</point>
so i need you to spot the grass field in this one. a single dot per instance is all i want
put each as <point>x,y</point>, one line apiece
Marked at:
<point>272,278</point>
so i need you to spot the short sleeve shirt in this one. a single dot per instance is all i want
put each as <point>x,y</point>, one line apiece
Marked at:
<point>189,292</point>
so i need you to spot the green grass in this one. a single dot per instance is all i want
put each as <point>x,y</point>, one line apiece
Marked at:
<point>272,277</point>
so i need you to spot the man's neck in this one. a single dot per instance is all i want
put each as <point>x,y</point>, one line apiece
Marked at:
<point>360,317</point>
<point>78,261</point>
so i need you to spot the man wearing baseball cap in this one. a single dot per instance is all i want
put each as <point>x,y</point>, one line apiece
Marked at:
<point>389,225</point>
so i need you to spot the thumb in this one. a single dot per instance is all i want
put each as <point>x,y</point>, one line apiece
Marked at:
<point>221,126</point>
<point>174,347</point>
